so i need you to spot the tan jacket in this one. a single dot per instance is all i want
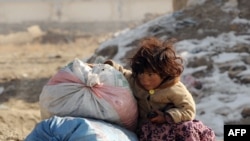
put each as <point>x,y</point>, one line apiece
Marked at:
<point>169,92</point>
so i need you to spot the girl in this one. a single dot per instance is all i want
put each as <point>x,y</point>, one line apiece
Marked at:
<point>166,107</point>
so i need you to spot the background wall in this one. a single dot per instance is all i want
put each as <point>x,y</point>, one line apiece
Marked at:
<point>16,11</point>
<point>83,15</point>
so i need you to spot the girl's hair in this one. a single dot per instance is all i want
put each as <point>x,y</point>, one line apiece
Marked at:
<point>158,57</point>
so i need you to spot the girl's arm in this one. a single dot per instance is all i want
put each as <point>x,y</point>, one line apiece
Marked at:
<point>184,109</point>
<point>127,73</point>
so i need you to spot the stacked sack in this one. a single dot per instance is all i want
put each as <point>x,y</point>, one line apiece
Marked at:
<point>78,129</point>
<point>99,92</point>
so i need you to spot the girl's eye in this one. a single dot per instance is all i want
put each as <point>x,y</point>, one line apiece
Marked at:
<point>149,74</point>
<point>146,74</point>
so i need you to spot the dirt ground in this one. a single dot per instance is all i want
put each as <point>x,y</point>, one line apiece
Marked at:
<point>24,70</point>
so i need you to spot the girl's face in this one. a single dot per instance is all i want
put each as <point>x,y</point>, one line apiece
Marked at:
<point>149,80</point>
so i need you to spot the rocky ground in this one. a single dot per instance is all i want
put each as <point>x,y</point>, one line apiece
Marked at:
<point>208,20</point>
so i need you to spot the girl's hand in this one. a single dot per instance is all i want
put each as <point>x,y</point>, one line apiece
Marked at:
<point>91,65</point>
<point>160,118</point>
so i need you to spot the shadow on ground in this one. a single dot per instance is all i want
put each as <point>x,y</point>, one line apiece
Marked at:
<point>27,90</point>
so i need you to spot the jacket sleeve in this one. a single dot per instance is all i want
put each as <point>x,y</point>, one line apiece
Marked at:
<point>184,109</point>
<point>127,73</point>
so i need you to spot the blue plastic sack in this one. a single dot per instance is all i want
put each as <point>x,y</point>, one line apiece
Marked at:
<point>78,129</point>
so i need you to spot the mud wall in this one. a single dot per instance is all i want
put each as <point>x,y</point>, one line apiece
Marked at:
<point>80,15</point>
<point>18,11</point>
